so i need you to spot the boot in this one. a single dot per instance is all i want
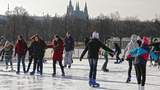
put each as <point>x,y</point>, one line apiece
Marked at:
<point>54,74</point>
<point>128,79</point>
<point>142,88</point>
<point>32,73</point>
<point>104,69</point>
<point>41,73</point>
<point>24,70</point>
<point>6,67</point>
<point>90,81</point>
<point>64,66</point>
<point>38,71</point>
<point>63,74</point>
<point>17,71</point>
<point>11,67</point>
<point>95,84</point>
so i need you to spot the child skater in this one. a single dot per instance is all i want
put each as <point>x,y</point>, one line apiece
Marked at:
<point>141,60</point>
<point>8,51</point>
<point>20,51</point>
<point>57,46</point>
<point>130,47</point>
<point>117,51</point>
<point>93,48</point>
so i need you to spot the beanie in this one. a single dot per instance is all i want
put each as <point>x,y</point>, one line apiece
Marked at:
<point>113,42</point>
<point>145,40</point>
<point>95,35</point>
<point>138,38</point>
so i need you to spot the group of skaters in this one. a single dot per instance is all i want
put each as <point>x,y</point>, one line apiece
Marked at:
<point>37,50</point>
<point>137,53</point>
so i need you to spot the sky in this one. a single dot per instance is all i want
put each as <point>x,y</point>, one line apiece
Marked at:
<point>144,9</point>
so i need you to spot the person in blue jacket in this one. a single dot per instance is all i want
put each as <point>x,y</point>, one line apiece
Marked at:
<point>140,61</point>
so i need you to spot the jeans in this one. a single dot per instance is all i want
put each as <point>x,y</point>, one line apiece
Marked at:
<point>40,64</point>
<point>106,61</point>
<point>141,70</point>
<point>23,62</point>
<point>6,61</point>
<point>93,67</point>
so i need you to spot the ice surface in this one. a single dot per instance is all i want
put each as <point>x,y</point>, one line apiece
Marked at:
<point>77,77</point>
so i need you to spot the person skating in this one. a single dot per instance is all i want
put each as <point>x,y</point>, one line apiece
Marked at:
<point>57,46</point>
<point>3,41</point>
<point>38,47</point>
<point>105,54</point>
<point>69,48</point>
<point>30,57</point>
<point>130,47</point>
<point>156,45</point>
<point>139,41</point>
<point>141,60</point>
<point>8,51</point>
<point>117,52</point>
<point>20,51</point>
<point>93,47</point>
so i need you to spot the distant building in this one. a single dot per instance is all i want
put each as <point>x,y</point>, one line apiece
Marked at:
<point>77,13</point>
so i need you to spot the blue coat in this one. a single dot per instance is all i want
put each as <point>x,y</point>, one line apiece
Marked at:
<point>69,44</point>
<point>142,54</point>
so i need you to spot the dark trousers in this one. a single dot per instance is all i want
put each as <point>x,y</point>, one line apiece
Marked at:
<point>30,61</point>
<point>40,64</point>
<point>130,63</point>
<point>158,55</point>
<point>54,66</point>
<point>141,70</point>
<point>117,56</point>
<point>93,67</point>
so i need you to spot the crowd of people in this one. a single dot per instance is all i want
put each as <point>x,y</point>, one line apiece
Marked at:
<point>137,51</point>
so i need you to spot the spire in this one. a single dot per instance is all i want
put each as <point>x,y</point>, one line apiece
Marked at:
<point>8,7</point>
<point>86,10</point>
<point>70,4</point>
<point>77,6</point>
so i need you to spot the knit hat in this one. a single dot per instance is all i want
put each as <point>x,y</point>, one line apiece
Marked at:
<point>138,38</point>
<point>95,35</point>
<point>145,40</point>
<point>107,41</point>
<point>113,42</point>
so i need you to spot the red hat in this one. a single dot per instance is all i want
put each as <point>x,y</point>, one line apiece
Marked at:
<point>145,40</point>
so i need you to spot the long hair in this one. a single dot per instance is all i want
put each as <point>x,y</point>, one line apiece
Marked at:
<point>21,38</point>
<point>59,38</point>
<point>36,35</point>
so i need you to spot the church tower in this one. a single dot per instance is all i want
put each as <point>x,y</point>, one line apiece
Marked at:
<point>69,8</point>
<point>86,10</point>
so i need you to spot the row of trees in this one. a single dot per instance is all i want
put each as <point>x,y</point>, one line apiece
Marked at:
<point>19,21</point>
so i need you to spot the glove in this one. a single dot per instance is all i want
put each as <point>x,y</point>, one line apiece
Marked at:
<point>14,54</point>
<point>80,59</point>
<point>111,54</point>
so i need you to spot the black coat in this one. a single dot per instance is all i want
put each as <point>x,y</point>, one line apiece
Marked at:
<point>93,47</point>
<point>86,40</point>
<point>117,48</point>
<point>139,42</point>
<point>38,49</point>
<point>156,46</point>
<point>69,44</point>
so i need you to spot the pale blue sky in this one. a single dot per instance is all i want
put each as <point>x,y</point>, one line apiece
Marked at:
<point>144,9</point>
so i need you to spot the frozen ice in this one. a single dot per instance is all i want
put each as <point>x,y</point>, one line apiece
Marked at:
<point>77,77</point>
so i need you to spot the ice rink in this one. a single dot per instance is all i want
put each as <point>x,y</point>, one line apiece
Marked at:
<point>77,77</point>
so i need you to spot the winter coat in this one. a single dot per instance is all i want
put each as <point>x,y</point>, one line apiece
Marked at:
<point>156,46</point>
<point>131,46</point>
<point>93,47</point>
<point>69,44</point>
<point>117,48</point>
<point>38,49</point>
<point>58,51</point>
<point>8,51</point>
<point>86,40</point>
<point>20,48</point>
<point>106,52</point>
<point>139,42</point>
<point>142,54</point>
<point>3,41</point>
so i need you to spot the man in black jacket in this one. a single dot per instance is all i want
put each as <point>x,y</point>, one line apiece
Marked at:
<point>117,51</point>
<point>93,47</point>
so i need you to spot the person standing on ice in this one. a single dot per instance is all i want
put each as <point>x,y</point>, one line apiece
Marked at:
<point>20,51</point>
<point>105,53</point>
<point>69,48</point>
<point>140,61</point>
<point>117,52</point>
<point>139,41</point>
<point>156,45</point>
<point>3,41</point>
<point>57,46</point>
<point>93,47</point>
<point>8,51</point>
<point>30,57</point>
<point>130,47</point>
<point>38,47</point>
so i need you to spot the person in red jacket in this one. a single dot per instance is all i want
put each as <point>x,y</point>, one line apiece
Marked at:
<point>57,46</point>
<point>20,51</point>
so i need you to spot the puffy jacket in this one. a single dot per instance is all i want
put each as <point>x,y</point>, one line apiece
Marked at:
<point>8,51</point>
<point>69,44</point>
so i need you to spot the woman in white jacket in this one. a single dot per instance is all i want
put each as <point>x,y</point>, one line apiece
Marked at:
<point>131,46</point>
